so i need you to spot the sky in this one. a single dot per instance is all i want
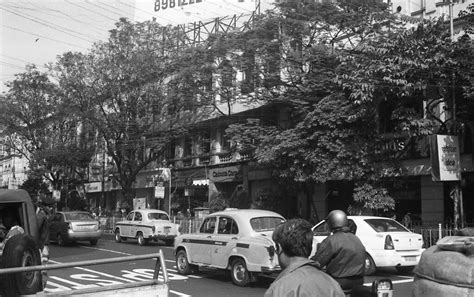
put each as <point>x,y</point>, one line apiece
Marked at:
<point>37,31</point>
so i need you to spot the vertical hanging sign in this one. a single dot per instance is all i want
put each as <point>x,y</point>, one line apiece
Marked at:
<point>159,191</point>
<point>445,158</point>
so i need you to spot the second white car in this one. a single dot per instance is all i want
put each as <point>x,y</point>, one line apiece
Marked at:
<point>387,242</point>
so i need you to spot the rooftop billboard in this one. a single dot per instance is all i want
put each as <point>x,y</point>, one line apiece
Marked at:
<point>175,12</point>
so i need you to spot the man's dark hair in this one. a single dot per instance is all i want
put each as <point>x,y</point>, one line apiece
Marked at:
<point>295,237</point>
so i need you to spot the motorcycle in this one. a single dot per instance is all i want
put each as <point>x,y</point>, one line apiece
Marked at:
<point>380,288</point>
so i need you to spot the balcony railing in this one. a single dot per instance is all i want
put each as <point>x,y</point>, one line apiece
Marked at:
<point>211,159</point>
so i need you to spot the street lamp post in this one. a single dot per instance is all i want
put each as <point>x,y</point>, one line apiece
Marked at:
<point>102,194</point>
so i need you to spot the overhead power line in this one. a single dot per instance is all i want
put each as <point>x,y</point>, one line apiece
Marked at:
<point>49,25</point>
<point>89,10</point>
<point>11,65</point>
<point>43,36</point>
<point>58,13</point>
<point>13,58</point>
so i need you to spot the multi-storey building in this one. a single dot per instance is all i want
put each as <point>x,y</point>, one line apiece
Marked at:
<point>204,163</point>
<point>12,169</point>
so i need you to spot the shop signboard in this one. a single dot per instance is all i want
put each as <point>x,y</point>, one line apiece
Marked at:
<point>93,187</point>
<point>159,192</point>
<point>445,158</point>
<point>225,174</point>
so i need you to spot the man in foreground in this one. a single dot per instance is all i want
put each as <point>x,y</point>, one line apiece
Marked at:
<point>300,277</point>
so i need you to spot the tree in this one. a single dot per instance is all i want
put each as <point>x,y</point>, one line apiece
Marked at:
<point>134,91</point>
<point>34,186</point>
<point>343,67</point>
<point>303,43</point>
<point>39,128</point>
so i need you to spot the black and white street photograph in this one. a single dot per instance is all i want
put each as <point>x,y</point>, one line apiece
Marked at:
<point>237,148</point>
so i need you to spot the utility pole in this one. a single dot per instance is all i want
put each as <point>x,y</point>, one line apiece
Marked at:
<point>457,188</point>
<point>102,196</point>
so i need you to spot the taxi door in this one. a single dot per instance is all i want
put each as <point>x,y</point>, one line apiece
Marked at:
<point>126,225</point>
<point>200,247</point>
<point>224,241</point>
<point>136,224</point>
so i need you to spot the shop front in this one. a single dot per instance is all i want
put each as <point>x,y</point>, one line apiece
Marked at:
<point>189,188</point>
<point>230,183</point>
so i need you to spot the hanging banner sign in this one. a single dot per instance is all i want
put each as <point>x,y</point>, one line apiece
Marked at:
<point>159,192</point>
<point>445,158</point>
<point>56,195</point>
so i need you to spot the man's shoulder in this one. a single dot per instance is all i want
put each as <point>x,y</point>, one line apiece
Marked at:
<point>305,279</point>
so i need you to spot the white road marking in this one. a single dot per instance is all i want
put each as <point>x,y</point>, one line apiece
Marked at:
<point>98,272</point>
<point>106,250</point>
<point>180,294</point>
<point>400,281</point>
<point>117,252</point>
<point>116,277</point>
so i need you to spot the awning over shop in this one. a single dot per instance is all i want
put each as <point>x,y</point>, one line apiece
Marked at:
<point>200,182</point>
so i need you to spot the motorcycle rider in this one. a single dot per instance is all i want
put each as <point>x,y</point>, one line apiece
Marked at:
<point>342,254</point>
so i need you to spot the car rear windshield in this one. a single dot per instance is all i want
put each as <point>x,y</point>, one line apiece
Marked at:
<point>384,225</point>
<point>262,224</point>
<point>157,216</point>
<point>80,216</point>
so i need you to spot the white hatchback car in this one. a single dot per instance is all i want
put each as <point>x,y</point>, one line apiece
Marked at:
<point>146,225</point>
<point>239,240</point>
<point>387,242</point>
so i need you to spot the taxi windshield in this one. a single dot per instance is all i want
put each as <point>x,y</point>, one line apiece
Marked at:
<point>157,216</point>
<point>262,224</point>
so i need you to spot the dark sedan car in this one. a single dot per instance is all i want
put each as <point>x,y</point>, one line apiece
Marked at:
<point>72,226</point>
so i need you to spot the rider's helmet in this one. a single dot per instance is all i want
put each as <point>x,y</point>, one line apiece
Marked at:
<point>337,219</point>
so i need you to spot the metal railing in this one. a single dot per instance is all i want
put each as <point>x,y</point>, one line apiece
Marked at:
<point>430,233</point>
<point>160,264</point>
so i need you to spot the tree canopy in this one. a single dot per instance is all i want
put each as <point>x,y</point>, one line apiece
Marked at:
<point>39,127</point>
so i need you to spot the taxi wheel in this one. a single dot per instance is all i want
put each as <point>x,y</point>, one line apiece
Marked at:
<point>93,242</point>
<point>60,240</point>
<point>141,240</point>
<point>182,264</point>
<point>118,238</point>
<point>239,273</point>
<point>405,269</point>
<point>369,265</point>
<point>21,251</point>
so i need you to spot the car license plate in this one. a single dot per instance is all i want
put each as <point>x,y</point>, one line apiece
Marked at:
<point>410,259</point>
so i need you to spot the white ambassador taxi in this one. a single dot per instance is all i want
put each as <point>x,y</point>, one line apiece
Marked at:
<point>239,240</point>
<point>146,225</point>
<point>387,242</point>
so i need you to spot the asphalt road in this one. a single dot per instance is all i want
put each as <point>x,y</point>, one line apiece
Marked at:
<point>206,283</point>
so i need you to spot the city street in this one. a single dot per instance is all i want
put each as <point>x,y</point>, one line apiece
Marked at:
<point>206,283</point>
